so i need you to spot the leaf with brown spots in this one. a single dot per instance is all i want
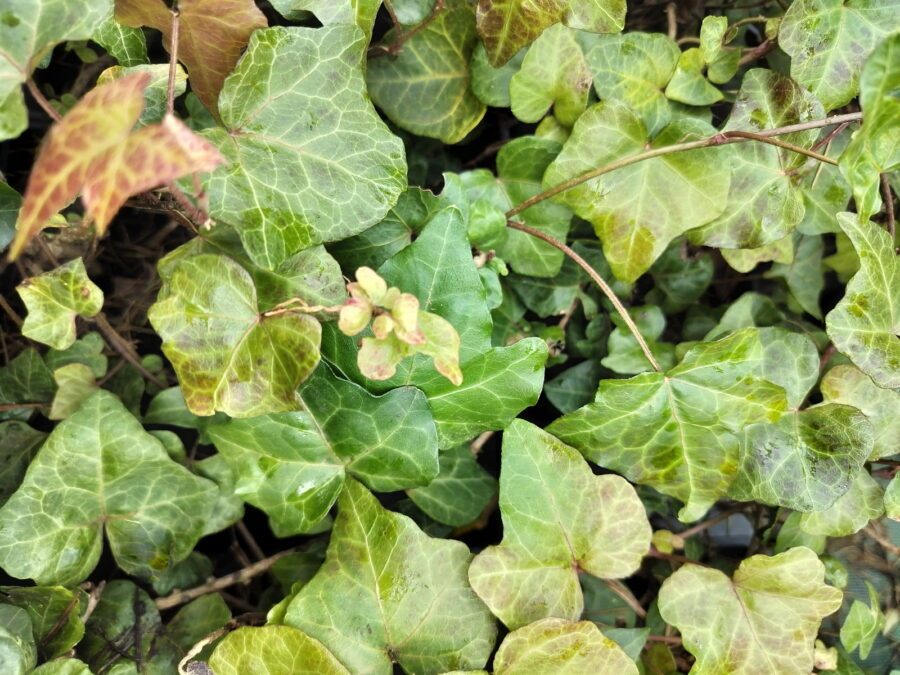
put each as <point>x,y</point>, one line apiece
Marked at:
<point>93,151</point>
<point>211,38</point>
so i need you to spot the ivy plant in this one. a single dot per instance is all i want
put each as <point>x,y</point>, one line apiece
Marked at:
<point>449,336</point>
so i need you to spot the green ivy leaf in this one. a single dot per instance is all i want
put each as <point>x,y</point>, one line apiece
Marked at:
<point>829,41</point>
<point>520,168</point>
<point>505,26</point>
<point>634,69</point>
<point>156,93</point>
<point>19,444</point>
<point>790,535</point>
<point>102,472</point>
<point>490,84</point>
<point>63,667</point>
<point>75,384</point>
<point>10,203</point>
<point>574,387</point>
<point>688,84</point>
<point>768,613</point>
<point>558,519</point>
<point>273,650</point>
<point>764,203</point>
<point>425,88</point>
<point>680,278</point>
<point>639,209</point>
<point>850,386</point>
<point>291,181</point>
<point>745,260</point>
<point>806,461</point>
<point>87,351</point>
<point>55,614</point>
<point>554,74</point>
<point>17,651</point>
<point>331,12</point>
<point>26,379</point>
<point>803,275</point>
<point>29,29</point>
<point>892,499</point>
<point>825,190</point>
<point>125,44</point>
<point>229,356</point>
<point>863,624</point>
<point>875,148</point>
<point>460,491</point>
<point>54,299</point>
<point>293,465</point>
<point>558,646</point>
<point>625,356</point>
<point>722,62</point>
<point>408,590</point>
<point>675,431</point>
<point>861,503</point>
<point>865,325</point>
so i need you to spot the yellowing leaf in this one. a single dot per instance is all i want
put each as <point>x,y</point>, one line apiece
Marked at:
<point>764,619</point>
<point>562,648</point>
<point>212,36</point>
<point>865,325</point>
<point>558,520</point>
<point>54,299</point>
<point>273,650</point>
<point>93,151</point>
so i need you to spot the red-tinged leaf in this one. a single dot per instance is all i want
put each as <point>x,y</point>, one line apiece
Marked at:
<point>151,156</point>
<point>71,146</point>
<point>212,35</point>
<point>93,151</point>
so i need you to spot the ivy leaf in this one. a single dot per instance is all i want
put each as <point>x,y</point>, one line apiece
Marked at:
<point>558,646</point>
<point>806,461</point>
<point>865,324</point>
<point>722,62</point>
<point>875,148</point>
<point>116,164</point>
<point>55,614</point>
<point>497,386</point>
<point>744,260</point>
<point>505,26</point>
<point>637,210</point>
<point>293,465</point>
<point>625,356</point>
<point>521,164</point>
<point>10,203</point>
<point>17,651</point>
<point>101,471</point>
<point>575,386</point>
<point>861,503</point>
<point>317,179</point>
<point>688,84</point>
<point>87,351</point>
<point>19,444</point>
<point>558,519</point>
<point>212,34</point>
<point>425,88</point>
<point>75,384</point>
<point>407,589</point>
<point>634,69</point>
<point>680,279</point>
<point>675,431</point>
<point>26,379</point>
<point>863,624</point>
<point>54,299</point>
<point>127,45</point>
<point>28,32</point>
<point>229,356</point>
<point>460,491</point>
<point>829,41</point>
<point>553,73</point>
<point>768,613</point>
<point>850,386</point>
<point>825,190</point>
<point>803,275</point>
<point>273,650</point>
<point>764,203</point>
<point>490,84</point>
<point>892,499</point>
<point>330,12</point>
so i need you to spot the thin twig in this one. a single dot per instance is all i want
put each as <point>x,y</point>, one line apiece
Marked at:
<point>4,407</point>
<point>42,101</point>
<point>125,350</point>
<point>197,648</point>
<point>403,36</point>
<point>478,444</point>
<point>667,639</point>
<point>623,592</point>
<point>834,133</point>
<point>597,279</point>
<point>723,138</point>
<point>242,575</point>
<point>757,52</point>
<point>888,198</point>
<point>672,20</point>
<point>16,319</point>
<point>706,524</point>
<point>173,61</point>
<point>249,540</point>
<point>749,135</point>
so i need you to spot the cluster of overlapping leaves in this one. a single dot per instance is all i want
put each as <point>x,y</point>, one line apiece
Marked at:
<point>712,389</point>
